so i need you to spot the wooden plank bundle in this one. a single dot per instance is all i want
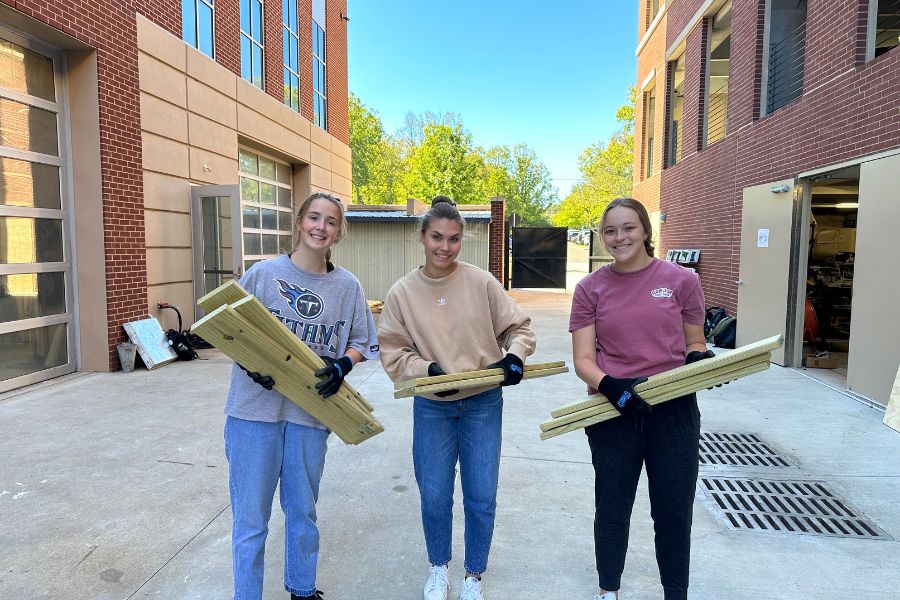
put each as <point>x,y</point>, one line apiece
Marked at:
<point>471,379</point>
<point>239,325</point>
<point>728,366</point>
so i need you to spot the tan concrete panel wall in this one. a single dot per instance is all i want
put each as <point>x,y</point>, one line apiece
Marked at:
<point>209,72</point>
<point>210,135</point>
<point>167,229</point>
<point>157,42</point>
<point>164,119</point>
<point>206,101</point>
<point>164,155</point>
<point>169,265</point>
<point>213,169</point>
<point>196,112</point>
<point>341,186</point>
<point>161,80</point>
<point>319,177</point>
<point>166,192</point>
<point>180,294</point>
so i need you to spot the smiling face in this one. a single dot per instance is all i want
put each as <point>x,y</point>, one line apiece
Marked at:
<point>442,241</point>
<point>624,235</point>
<point>319,227</point>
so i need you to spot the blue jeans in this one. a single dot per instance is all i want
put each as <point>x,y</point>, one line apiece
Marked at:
<point>259,454</point>
<point>467,430</point>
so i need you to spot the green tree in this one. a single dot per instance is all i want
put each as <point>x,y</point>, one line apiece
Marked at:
<point>519,176</point>
<point>377,166</point>
<point>445,162</point>
<point>606,169</point>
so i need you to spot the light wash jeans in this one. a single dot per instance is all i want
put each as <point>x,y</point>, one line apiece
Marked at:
<point>467,430</point>
<point>259,454</point>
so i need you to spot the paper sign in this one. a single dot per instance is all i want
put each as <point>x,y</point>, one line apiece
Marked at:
<point>762,238</point>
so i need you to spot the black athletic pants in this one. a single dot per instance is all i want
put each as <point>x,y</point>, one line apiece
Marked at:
<point>668,444</point>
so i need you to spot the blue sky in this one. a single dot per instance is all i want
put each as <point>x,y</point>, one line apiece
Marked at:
<point>548,74</point>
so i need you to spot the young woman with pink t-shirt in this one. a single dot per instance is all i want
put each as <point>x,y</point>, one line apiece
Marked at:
<point>637,317</point>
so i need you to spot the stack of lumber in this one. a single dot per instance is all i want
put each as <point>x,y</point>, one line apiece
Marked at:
<point>375,306</point>
<point>240,326</point>
<point>471,379</point>
<point>728,366</point>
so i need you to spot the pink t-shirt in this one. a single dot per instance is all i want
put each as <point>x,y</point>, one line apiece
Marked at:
<point>639,317</point>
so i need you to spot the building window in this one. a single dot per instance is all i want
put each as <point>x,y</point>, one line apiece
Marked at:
<point>652,11</point>
<point>320,94</point>
<point>252,67</point>
<point>290,42</point>
<point>884,26</point>
<point>719,70</point>
<point>786,52</point>
<point>266,206</point>
<point>649,129</point>
<point>676,107</point>
<point>197,24</point>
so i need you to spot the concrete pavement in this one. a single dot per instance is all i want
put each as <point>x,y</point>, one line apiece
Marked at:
<point>114,486</point>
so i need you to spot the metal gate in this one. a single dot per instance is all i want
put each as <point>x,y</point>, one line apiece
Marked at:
<point>539,257</point>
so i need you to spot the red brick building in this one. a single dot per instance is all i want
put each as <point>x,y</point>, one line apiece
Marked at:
<point>774,149</point>
<point>131,132</point>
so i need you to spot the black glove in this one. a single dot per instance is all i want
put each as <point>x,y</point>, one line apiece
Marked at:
<point>695,355</point>
<point>334,371</point>
<point>621,394</point>
<point>434,370</point>
<point>263,380</point>
<point>513,369</point>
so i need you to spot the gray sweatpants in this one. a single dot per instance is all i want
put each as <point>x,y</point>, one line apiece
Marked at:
<point>668,444</point>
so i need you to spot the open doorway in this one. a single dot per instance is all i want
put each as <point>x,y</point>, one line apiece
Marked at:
<point>834,205</point>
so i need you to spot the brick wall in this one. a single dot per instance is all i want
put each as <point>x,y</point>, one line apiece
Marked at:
<point>496,238</point>
<point>651,57</point>
<point>694,90</point>
<point>852,110</point>
<point>110,27</point>
<point>679,16</point>
<point>335,66</point>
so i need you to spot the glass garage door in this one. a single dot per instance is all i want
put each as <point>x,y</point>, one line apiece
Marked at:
<point>36,317</point>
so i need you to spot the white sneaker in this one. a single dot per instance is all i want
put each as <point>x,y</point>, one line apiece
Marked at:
<point>606,596</point>
<point>471,589</point>
<point>437,584</point>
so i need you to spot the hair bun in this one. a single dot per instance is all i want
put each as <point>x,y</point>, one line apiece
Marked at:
<point>441,199</point>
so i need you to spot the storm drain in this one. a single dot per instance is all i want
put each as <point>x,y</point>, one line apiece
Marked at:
<point>738,450</point>
<point>805,507</point>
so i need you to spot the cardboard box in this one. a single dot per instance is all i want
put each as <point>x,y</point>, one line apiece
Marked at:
<point>821,362</point>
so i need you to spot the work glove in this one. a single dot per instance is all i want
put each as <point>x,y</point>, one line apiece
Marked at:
<point>334,372</point>
<point>513,369</point>
<point>434,370</point>
<point>263,380</point>
<point>621,394</point>
<point>695,355</point>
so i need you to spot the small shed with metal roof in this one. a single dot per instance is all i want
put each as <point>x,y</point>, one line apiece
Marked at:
<point>382,242</point>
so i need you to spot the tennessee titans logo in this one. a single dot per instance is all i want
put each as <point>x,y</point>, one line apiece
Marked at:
<point>304,302</point>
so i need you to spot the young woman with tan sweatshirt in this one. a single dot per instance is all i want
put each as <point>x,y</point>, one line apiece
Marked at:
<point>448,316</point>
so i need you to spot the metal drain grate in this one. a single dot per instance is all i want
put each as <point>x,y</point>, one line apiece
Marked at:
<point>738,450</point>
<point>787,506</point>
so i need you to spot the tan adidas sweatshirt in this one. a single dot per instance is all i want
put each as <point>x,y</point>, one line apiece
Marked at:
<point>462,321</point>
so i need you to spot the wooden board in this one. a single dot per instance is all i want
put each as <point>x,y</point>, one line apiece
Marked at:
<point>892,413</point>
<point>457,381</point>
